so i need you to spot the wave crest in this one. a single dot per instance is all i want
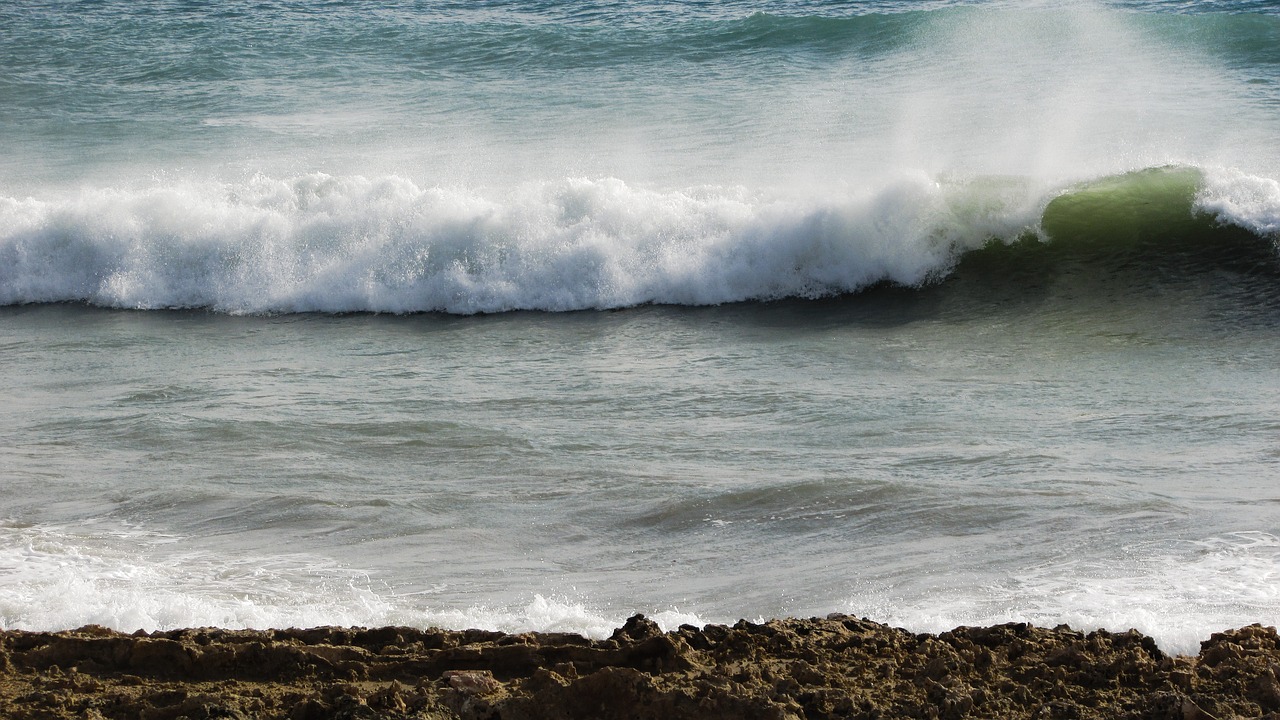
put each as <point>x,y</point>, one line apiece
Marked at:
<point>338,244</point>
<point>319,243</point>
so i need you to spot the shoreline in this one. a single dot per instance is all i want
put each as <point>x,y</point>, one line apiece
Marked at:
<point>834,667</point>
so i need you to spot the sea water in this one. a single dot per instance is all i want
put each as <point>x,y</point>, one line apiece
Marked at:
<point>531,316</point>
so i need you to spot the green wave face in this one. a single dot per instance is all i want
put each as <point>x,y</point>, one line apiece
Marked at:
<point>1116,240</point>
<point>1147,216</point>
<point>1156,204</point>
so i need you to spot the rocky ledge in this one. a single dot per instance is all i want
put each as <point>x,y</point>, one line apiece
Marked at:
<point>837,667</point>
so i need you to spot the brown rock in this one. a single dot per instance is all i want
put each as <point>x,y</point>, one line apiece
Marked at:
<point>835,667</point>
<point>1265,690</point>
<point>1174,706</point>
<point>472,682</point>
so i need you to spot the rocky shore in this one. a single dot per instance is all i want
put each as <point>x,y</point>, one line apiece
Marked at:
<point>837,667</point>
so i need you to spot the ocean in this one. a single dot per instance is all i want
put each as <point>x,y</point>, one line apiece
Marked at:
<point>528,315</point>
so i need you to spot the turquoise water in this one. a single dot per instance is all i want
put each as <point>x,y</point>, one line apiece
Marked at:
<point>532,316</point>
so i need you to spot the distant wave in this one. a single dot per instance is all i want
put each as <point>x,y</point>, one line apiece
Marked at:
<point>318,243</point>
<point>554,37</point>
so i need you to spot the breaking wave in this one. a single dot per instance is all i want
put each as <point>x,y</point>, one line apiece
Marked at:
<point>320,243</point>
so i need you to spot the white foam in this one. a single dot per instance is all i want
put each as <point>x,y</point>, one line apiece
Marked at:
<point>1239,198</point>
<point>335,244</point>
<point>56,579</point>
<point>1176,592</point>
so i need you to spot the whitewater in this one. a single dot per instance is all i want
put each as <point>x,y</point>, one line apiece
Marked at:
<point>352,244</point>
<point>534,315</point>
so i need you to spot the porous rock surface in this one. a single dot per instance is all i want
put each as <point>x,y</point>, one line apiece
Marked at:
<point>837,667</point>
